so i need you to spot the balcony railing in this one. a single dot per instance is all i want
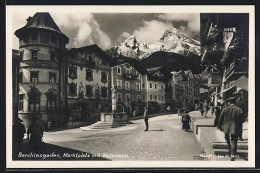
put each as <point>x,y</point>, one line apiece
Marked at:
<point>130,76</point>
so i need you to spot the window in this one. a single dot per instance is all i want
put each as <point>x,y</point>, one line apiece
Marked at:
<point>138,97</point>
<point>21,55</point>
<point>26,38</point>
<point>119,97</point>
<point>128,71</point>
<point>137,87</point>
<point>20,77</point>
<point>118,70</point>
<point>104,92</point>
<point>34,102</point>
<point>143,97</point>
<point>127,85</point>
<point>162,86</point>
<point>155,86</point>
<point>52,77</point>
<point>138,75</point>
<point>119,84</point>
<point>162,98</point>
<point>143,85</point>
<point>155,97</point>
<point>72,72</point>
<point>35,54</point>
<point>34,76</point>
<point>44,38</point>
<point>159,97</point>
<point>53,39</point>
<point>72,90</point>
<point>89,75</point>
<point>52,58</point>
<point>104,77</point>
<point>89,91</point>
<point>51,102</point>
<point>151,97</point>
<point>127,97</point>
<point>34,36</point>
<point>151,85</point>
<point>20,103</point>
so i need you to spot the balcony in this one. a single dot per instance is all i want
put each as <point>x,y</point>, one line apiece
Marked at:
<point>128,76</point>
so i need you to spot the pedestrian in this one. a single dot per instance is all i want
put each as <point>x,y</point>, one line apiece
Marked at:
<point>35,134</point>
<point>229,123</point>
<point>146,119</point>
<point>45,126</point>
<point>205,109</point>
<point>18,135</point>
<point>217,114</point>
<point>179,112</point>
<point>212,107</point>
<point>185,120</point>
<point>169,110</point>
<point>242,104</point>
<point>201,108</point>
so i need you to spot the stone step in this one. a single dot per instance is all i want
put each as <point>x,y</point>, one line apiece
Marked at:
<point>240,146</point>
<point>223,152</point>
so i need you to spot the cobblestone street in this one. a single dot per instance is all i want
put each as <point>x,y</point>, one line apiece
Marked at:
<point>165,140</point>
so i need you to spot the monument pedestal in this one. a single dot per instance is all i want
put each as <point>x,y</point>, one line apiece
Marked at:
<point>116,119</point>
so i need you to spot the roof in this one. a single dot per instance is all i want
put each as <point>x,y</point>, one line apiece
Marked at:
<point>153,69</point>
<point>135,65</point>
<point>41,21</point>
<point>183,75</point>
<point>91,47</point>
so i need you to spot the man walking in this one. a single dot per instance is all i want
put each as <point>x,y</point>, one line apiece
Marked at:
<point>18,135</point>
<point>229,123</point>
<point>146,119</point>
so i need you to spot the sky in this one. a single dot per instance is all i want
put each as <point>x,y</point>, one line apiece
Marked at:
<point>110,29</point>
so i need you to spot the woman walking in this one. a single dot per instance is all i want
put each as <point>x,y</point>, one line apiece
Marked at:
<point>185,121</point>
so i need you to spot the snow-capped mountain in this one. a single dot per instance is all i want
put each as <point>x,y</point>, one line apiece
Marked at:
<point>171,41</point>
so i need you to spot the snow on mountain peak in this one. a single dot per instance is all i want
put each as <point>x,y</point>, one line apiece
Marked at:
<point>171,41</point>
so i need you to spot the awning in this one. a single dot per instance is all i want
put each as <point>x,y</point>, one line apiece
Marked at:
<point>241,83</point>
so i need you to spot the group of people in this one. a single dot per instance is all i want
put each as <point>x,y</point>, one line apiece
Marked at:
<point>34,135</point>
<point>229,118</point>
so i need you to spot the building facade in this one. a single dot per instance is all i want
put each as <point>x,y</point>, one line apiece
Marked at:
<point>157,94</point>
<point>39,77</point>
<point>128,82</point>
<point>85,73</point>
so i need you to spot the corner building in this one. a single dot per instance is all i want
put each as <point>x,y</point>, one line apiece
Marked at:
<point>39,74</point>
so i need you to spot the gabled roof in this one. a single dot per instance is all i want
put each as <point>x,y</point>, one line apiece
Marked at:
<point>135,65</point>
<point>41,21</point>
<point>166,73</point>
<point>93,47</point>
<point>189,74</point>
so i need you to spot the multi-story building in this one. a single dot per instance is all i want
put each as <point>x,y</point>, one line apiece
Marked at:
<point>156,95</point>
<point>39,76</point>
<point>128,81</point>
<point>86,79</point>
<point>225,50</point>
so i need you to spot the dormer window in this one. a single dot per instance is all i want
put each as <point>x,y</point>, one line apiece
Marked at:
<point>44,38</point>
<point>34,36</point>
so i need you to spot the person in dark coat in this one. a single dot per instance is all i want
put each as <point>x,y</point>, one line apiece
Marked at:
<point>185,120</point>
<point>242,104</point>
<point>217,114</point>
<point>35,134</point>
<point>229,123</point>
<point>146,119</point>
<point>18,135</point>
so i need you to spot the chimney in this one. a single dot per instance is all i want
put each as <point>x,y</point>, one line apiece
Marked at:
<point>29,19</point>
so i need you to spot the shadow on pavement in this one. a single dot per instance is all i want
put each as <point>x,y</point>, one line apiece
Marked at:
<point>53,152</point>
<point>158,130</point>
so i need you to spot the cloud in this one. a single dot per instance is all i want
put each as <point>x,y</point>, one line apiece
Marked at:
<point>123,36</point>
<point>193,20</point>
<point>83,29</point>
<point>151,31</point>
